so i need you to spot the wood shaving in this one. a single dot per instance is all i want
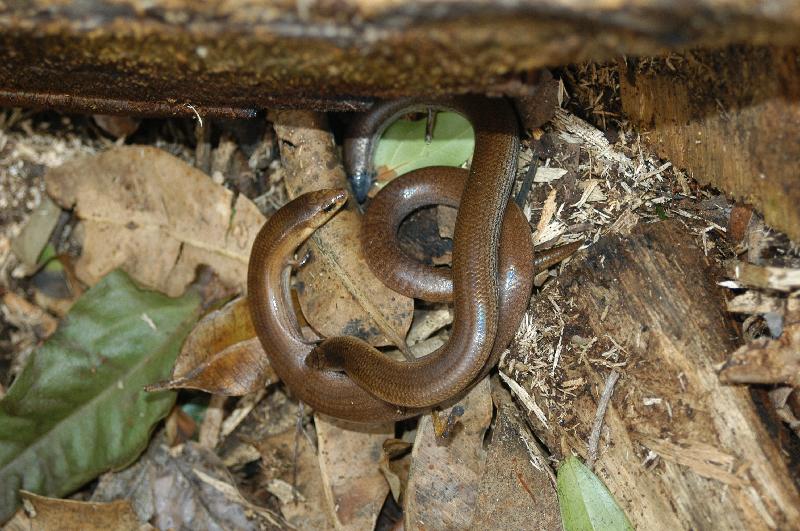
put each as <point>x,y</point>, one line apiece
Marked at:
<point>525,398</point>
<point>705,460</point>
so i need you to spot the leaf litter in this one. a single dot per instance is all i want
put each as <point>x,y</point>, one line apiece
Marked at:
<point>591,183</point>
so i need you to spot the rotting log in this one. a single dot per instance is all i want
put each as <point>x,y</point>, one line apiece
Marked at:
<point>678,449</point>
<point>162,57</point>
<point>731,118</point>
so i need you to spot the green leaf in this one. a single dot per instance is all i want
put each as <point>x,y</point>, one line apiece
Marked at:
<point>48,257</point>
<point>586,504</point>
<point>78,408</point>
<point>403,148</point>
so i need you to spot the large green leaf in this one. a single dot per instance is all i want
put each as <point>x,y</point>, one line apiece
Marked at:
<point>586,504</point>
<point>78,408</point>
<point>403,148</point>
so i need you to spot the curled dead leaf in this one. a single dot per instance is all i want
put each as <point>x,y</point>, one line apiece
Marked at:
<point>222,355</point>
<point>395,464</point>
<point>44,513</point>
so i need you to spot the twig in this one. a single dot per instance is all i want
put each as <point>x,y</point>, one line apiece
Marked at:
<point>300,415</point>
<point>527,181</point>
<point>430,123</point>
<point>605,398</point>
<point>212,422</point>
<point>196,114</point>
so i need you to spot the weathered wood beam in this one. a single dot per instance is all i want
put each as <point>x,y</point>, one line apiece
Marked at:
<point>229,58</point>
<point>731,118</point>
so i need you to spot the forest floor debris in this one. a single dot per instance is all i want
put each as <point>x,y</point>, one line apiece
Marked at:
<point>590,182</point>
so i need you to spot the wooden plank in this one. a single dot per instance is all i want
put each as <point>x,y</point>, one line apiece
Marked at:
<point>730,118</point>
<point>230,58</point>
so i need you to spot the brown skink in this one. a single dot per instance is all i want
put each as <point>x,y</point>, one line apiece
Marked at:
<point>331,392</point>
<point>449,370</point>
<point>271,311</point>
<point>273,316</point>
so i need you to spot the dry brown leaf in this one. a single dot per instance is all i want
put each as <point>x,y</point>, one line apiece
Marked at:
<point>395,465</point>
<point>215,332</point>
<point>117,126</point>
<point>23,315</point>
<point>179,427</point>
<point>222,355</point>
<point>156,217</point>
<point>43,513</point>
<point>739,222</point>
<point>446,219</point>
<point>349,460</point>
<point>338,293</point>
<point>442,468</point>
<point>428,322</point>
<point>237,370</point>
<point>301,501</point>
<point>28,244</point>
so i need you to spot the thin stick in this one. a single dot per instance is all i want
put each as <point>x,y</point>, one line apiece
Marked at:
<point>300,414</point>
<point>605,398</point>
<point>527,181</point>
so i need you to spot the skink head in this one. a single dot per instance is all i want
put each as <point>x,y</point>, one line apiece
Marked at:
<point>324,204</point>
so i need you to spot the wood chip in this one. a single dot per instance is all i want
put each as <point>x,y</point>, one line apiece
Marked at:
<point>777,278</point>
<point>767,361</point>
<point>525,398</point>
<point>703,459</point>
